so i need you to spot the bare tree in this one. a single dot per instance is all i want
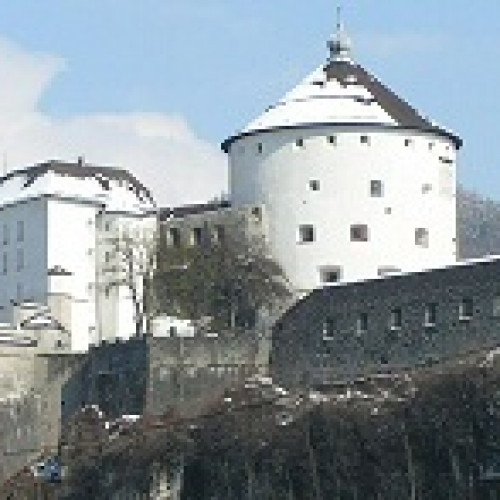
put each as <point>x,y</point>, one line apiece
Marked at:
<point>131,257</point>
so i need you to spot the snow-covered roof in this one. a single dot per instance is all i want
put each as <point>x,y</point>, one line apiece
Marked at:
<point>114,188</point>
<point>340,92</point>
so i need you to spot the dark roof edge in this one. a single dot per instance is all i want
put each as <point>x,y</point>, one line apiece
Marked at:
<point>457,141</point>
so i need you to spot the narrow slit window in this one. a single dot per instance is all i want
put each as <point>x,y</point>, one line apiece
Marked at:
<point>396,319</point>
<point>174,235</point>
<point>329,327</point>
<point>362,323</point>
<point>466,309</point>
<point>422,237</point>
<point>20,231</point>
<point>197,236</point>
<point>376,188</point>
<point>430,318</point>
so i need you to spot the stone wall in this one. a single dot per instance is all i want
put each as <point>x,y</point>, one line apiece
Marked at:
<point>187,374</point>
<point>20,439</point>
<point>319,340</point>
<point>160,375</point>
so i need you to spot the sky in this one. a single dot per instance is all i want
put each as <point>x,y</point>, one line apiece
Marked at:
<point>154,86</point>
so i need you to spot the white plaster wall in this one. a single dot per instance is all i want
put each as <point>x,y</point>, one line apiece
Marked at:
<point>32,278</point>
<point>279,177</point>
<point>71,246</point>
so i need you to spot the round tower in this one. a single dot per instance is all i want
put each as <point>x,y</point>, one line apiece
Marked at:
<point>356,183</point>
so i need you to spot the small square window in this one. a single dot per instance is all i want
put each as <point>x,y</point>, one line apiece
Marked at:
<point>332,140</point>
<point>376,189</point>
<point>362,323</point>
<point>466,309</point>
<point>426,188</point>
<point>299,142</point>
<point>430,314</point>
<point>330,274</point>
<point>422,237</point>
<point>314,185</point>
<point>306,233</point>
<point>359,232</point>
<point>396,319</point>
<point>365,139</point>
<point>388,210</point>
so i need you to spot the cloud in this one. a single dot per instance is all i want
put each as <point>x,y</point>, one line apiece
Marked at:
<point>398,44</point>
<point>161,150</point>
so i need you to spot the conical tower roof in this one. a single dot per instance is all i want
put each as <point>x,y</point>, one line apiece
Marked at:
<point>341,92</point>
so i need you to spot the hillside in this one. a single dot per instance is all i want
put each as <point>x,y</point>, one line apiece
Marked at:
<point>478,225</point>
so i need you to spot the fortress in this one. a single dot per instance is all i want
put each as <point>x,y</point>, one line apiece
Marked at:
<point>355,193</point>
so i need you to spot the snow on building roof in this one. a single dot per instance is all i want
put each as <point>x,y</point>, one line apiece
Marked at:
<point>47,178</point>
<point>340,92</point>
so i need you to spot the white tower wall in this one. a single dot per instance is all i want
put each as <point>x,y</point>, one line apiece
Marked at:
<point>418,175</point>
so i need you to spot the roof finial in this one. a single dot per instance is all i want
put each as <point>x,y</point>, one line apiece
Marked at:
<point>340,43</point>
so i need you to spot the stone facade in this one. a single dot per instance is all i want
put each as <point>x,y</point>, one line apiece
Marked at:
<point>394,323</point>
<point>159,375</point>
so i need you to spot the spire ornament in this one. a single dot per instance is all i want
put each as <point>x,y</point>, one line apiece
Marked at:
<point>340,44</point>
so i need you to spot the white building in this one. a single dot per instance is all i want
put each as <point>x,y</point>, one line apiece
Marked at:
<point>356,183</point>
<point>55,225</point>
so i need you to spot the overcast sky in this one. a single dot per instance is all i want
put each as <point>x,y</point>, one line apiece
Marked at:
<point>156,85</point>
